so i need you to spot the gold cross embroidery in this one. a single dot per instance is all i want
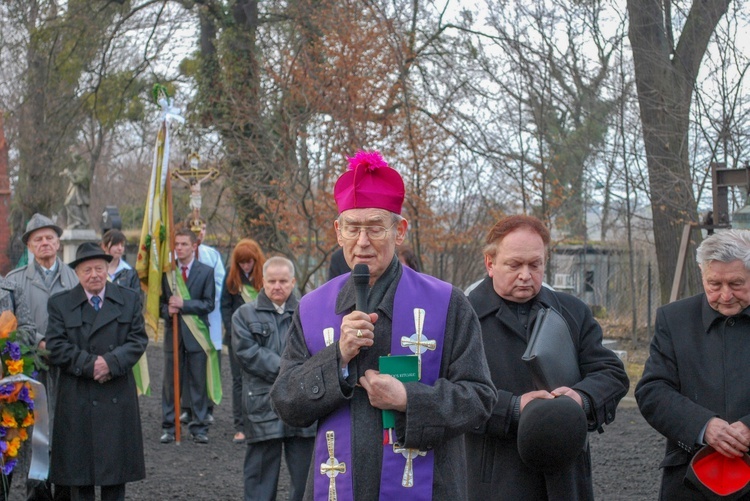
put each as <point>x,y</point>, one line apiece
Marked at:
<point>408,479</point>
<point>417,342</point>
<point>331,467</point>
<point>328,336</point>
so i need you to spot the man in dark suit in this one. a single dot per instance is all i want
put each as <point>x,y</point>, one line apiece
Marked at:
<point>95,336</point>
<point>694,388</point>
<point>189,294</point>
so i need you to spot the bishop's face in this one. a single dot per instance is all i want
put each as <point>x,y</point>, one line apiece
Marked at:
<point>365,248</point>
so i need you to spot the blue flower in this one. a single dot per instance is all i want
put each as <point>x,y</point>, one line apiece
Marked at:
<point>8,467</point>
<point>13,350</point>
<point>7,389</point>
<point>3,432</point>
<point>23,396</point>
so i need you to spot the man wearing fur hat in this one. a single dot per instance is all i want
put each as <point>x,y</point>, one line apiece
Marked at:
<point>507,303</point>
<point>329,369</point>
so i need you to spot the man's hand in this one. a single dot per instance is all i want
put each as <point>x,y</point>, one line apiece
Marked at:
<point>101,370</point>
<point>532,395</point>
<point>729,440</point>
<point>568,392</point>
<point>176,302</point>
<point>384,391</point>
<point>357,330</point>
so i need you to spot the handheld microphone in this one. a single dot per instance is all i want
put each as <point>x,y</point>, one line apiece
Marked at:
<point>361,276</point>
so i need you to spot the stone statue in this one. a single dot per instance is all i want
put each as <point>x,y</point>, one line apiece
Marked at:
<point>77,198</point>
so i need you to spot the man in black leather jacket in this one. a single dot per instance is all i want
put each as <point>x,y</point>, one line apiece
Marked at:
<point>259,335</point>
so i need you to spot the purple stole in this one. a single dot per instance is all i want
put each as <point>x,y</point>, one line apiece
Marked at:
<point>333,442</point>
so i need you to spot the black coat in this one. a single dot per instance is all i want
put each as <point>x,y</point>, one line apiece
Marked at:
<point>494,465</point>
<point>229,304</point>
<point>97,431</point>
<point>127,277</point>
<point>696,370</point>
<point>200,284</point>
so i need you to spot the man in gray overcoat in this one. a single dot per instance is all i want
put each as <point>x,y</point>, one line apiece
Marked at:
<point>330,369</point>
<point>95,336</point>
<point>259,337</point>
<point>44,276</point>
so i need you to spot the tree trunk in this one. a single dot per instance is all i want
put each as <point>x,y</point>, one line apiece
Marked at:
<point>665,77</point>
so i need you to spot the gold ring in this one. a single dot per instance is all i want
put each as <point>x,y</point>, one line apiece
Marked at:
<point>359,333</point>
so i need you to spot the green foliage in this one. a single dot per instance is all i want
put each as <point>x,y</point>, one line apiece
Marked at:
<point>117,98</point>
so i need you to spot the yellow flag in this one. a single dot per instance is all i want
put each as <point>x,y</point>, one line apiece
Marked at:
<point>153,250</point>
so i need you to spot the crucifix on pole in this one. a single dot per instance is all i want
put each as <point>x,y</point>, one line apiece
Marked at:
<point>194,176</point>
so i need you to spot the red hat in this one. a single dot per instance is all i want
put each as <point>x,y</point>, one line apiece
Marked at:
<point>369,184</point>
<point>719,477</point>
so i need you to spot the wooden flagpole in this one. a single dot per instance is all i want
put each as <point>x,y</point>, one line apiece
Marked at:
<point>175,316</point>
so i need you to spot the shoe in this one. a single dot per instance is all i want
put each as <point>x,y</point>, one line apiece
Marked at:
<point>200,438</point>
<point>184,418</point>
<point>167,438</point>
<point>210,419</point>
<point>239,438</point>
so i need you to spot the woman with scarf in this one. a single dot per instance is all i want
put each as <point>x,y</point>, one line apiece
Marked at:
<point>243,281</point>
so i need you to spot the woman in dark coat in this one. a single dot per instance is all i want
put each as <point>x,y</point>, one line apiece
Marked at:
<point>243,281</point>
<point>119,271</point>
<point>97,434</point>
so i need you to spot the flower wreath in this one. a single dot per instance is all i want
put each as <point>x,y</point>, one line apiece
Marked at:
<point>17,358</point>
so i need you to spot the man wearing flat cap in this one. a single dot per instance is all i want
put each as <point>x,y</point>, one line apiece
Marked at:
<point>329,369</point>
<point>508,303</point>
<point>95,336</point>
<point>44,276</point>
<point>695,384</point>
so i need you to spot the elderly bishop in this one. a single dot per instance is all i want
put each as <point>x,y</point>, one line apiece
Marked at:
<point>339,384</point>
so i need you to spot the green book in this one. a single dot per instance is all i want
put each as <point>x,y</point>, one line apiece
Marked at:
<point>405,368</point>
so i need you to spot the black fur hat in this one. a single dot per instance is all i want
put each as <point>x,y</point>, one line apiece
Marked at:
<point>551,433</point>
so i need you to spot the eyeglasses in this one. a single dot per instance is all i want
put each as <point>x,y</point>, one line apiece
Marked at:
<point>376,232</point>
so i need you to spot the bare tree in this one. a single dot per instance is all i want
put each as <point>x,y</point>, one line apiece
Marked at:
<point>666,71</point>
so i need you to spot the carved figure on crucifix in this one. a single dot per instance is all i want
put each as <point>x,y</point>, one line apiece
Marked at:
<point>194,177</point>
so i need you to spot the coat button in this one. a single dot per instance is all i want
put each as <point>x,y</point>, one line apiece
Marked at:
<point>114,400</point>
<point>94,403</point>
<point>730,322</point>
<point>316,389</point>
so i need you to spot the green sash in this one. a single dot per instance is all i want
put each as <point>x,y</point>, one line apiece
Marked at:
<point>248,293</point>
<point>199,330</point>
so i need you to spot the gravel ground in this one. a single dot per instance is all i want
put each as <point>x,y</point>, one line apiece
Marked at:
<point>625,457</point>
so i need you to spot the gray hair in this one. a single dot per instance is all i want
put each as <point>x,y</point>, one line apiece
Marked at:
<point>725,246</point>
<point>278,261</point>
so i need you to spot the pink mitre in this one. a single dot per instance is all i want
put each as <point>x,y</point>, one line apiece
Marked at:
<point>369,184</point>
